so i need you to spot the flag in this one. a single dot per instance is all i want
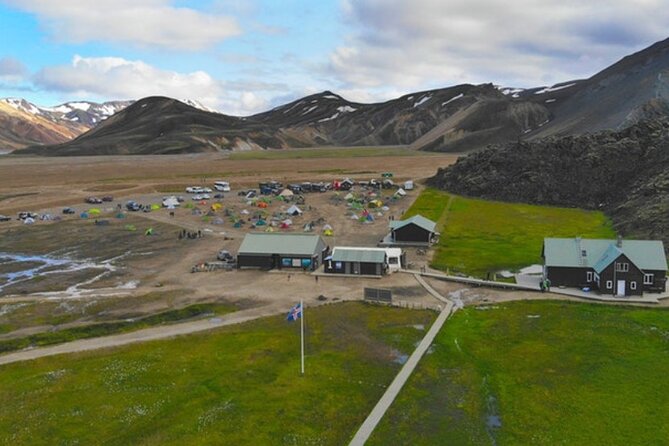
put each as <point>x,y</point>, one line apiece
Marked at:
<point>295,313</point>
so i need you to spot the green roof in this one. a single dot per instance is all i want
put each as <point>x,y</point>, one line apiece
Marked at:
<point>281,243</point>
<point>365,255</point>
<point>599,253</point>
<point>417,220</point>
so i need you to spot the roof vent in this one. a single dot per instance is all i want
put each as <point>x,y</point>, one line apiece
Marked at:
<point>619,242</point>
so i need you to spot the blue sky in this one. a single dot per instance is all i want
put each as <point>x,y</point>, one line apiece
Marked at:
<point>242,57</point>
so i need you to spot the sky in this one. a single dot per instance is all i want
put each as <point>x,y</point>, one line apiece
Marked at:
<point>245,56</point>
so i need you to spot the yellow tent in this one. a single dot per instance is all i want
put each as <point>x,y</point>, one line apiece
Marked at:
<point>329,232</point>
<point>216,207</point>
<point>94,211</point>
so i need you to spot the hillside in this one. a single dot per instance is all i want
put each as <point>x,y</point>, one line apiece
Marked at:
<point>624,173</point>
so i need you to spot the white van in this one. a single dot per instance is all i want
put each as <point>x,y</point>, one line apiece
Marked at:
<point>222,186</point>
<point>408,185</point>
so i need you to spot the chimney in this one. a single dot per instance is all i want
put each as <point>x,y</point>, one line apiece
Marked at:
<point>619,242</point>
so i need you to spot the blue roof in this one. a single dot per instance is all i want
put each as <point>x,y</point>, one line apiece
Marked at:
<point>599,253</point>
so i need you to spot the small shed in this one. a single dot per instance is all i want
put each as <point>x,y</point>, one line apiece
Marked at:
<point>357,261</point>
<point>279,250</point>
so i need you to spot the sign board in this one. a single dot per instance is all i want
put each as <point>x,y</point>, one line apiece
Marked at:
<point>378,295</point>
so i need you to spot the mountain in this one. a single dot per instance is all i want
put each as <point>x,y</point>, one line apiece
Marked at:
<point>456,119</point>
<point>23,123</point>
<point>624,173</point>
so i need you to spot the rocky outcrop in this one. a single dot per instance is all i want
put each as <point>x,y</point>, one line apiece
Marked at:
<point>623,173</point>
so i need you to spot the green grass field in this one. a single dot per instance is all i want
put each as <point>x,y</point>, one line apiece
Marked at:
<point>327,152</point>
<point>551,373</point>
<point>479,236</point>
<point>95,330</point>
<point>236,385</point>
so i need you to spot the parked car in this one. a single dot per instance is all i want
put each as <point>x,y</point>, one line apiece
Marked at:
<point>107,198</point>
<point>222,186</point>
<point>69,211</point>
<point>93,200</point>
<point>218,196</point>
<point>225,256</point>
<point>23,215</point>
<point>133,206</point>
<point>207,190</point>
<point>5,218</point>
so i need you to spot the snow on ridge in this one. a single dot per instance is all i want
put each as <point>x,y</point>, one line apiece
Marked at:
<point>335,116</point>
<point>330,96</point>
<point>83,106</point>
<point>548,101</point>
<point>422,100</point>
<point>309,110</point>
<point>510,91</point>
<point>554,88</point>
<point>346,109</point>
<point>454,98</point>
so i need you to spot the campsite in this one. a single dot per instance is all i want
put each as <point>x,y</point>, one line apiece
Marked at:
<point>158,261</point>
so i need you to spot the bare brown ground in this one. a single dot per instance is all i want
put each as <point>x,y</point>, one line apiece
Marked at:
<point>165,267</point>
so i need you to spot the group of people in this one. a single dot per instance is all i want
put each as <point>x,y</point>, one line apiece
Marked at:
<point>191,235</point>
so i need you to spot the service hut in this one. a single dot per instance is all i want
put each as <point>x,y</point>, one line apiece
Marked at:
<point>270,250</point>
<point>357,261</point>
<point>416,231</point>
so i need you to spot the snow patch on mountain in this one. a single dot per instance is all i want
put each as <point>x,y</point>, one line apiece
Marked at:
<point>422,100</point>
<point>554,88</point>
<point>454,98</point>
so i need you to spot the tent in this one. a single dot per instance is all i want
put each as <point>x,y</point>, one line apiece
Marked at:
<point>244,212</point>
<point>349,196</point>
<point>216,207</point>
<point>130,228</point>
<point>29,221</point>
<point>94,211</point>
<point>217,221</point>
<point>294,210</point>
<point>261,223</point>
<point>155,207</point>
<point>269,229</point>
<point>286,193</point>
<point>262,205</point>
<point>287,221</point>
<point>120,215</point>
<point>326,227</point>
<point>354,217</point>
<point>375,204</point>
<point>149,231</point>
<point>308,227</point>
<point>400,192</point>
<point>83,215</point>
<point>327,230</point>
<point>170,202</point>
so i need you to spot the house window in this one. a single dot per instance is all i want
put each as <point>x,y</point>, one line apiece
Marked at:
<point>588,276</point>
<point>647,279</point>
<point>632,285</point>
<point>609,284</point>
<point>622,267</point>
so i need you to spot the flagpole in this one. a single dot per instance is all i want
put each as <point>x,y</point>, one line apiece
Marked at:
<point>302,333</point>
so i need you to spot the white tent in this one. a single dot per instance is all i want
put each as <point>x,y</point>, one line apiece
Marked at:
<point>349,196</point>
<point>29,221</point>
<point>401,192</point>
<point>244,212</point>
<point>294,210</point>
<point>170,202</point>
<point>326,227</point>
<point>287,193</point>
<point>287,222</point>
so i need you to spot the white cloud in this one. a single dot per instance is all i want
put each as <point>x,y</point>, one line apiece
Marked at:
<point>12,70</point>
<point>427,43</point>
<point>138,22</point>
<point>110,78</point>
<point>118,78</point>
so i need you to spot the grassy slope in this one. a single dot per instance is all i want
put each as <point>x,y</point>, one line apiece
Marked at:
<point>481,236</point>
<point>109,328</point>
<point>326,152</point>
<point>238,385</point>
<point>580,374</point>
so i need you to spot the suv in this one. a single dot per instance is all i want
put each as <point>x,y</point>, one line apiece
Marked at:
<point>68,211</point>
<point>93,200</point>
<point>5,218</point>
<point>132,206</point>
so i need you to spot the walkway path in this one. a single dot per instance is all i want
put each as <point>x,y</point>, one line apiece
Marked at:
<point>149,334</point>
<point>396,386</point>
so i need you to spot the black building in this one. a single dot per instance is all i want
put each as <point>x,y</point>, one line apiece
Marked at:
<point>618,267</point>
<point>269,250</point>
<point>357,261</point>
<point>415,231</point>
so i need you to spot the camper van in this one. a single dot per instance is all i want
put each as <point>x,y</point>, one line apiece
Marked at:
<point>222,186</point>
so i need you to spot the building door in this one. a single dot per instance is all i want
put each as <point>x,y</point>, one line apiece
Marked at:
<point>621,288</point>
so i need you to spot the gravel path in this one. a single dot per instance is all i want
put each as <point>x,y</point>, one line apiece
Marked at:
<point>149,334</point>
